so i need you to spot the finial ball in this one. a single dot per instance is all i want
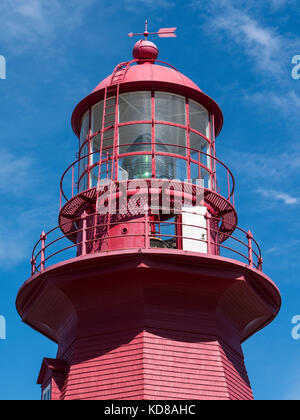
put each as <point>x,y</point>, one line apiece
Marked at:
<point>145,50</point>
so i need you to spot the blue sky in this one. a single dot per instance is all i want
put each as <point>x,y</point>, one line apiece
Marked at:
<point>58,51</point>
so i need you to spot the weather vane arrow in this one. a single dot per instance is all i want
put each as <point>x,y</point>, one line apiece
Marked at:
<point>162,33</point>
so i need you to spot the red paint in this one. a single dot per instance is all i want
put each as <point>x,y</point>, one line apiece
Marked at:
<point>136,322</point>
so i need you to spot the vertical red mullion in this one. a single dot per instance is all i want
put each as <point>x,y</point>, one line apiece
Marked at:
<point>99,163</point>
<point>211,154</point>
<point>116,132</point>
<point>102,135</point>
<point>79,163</point>
<point>214,149</point>
<point>89,149</point>
<point>188,142</point>
<point>153,132</point>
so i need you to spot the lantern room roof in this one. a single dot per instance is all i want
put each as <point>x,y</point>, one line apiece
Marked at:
<point>145,72</point>
<point>150,72</point>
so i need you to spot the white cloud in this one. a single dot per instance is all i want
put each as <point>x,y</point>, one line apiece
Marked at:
<point>15,173</point>
<point>257,166</point>
<point>278,195</point>
<point>244,26</point>
<point>283,248</point>
<point>270,171</point>
<point>285,102</point>
<point>268,49</point>
<point>23,208</point>
<point>132,5</point>
<point>32,9</point>
<point>259,42</point>
<point>20,230</point>
<point>26,23</point>
<point>278,4</point>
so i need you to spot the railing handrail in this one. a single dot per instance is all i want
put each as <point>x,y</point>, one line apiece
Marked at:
<point>45,246</point>
<point>147,152</point>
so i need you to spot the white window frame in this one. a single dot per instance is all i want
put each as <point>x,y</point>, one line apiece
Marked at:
<point>46,393</point>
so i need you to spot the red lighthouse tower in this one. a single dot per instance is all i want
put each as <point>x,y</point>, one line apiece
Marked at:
<point>148,286</point>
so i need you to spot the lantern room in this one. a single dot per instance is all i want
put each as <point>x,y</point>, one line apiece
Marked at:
<point>158,125</point>
<point>147,121</point>
<point>159,135</point>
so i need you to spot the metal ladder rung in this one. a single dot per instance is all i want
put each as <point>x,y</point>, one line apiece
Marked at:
<point>111,89</point>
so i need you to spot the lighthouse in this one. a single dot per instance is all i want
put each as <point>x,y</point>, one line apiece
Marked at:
<point>148,285</point>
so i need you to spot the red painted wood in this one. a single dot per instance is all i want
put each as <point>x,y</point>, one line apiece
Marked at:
<point>150,328</point>
<point>157,366</point>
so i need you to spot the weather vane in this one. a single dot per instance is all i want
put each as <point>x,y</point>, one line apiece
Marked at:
<point>162,33</point>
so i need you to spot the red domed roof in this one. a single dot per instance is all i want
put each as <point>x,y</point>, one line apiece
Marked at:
<point>149,72</point>
<point>145,74</point>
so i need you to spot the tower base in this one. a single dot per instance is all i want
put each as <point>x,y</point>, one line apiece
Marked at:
<point>150,324</point>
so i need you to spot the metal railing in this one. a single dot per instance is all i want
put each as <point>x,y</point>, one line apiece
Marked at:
<point>155,233</point>
<point>214,175</point>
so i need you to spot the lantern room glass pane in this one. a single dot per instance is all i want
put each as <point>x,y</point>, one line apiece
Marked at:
<point>85,126</point>
<point>135,138</point>
<point>106,156</point>
<point>83,164</point>
<point>170,108</point>
<point>95,143</point>
<point>108,141</point>
<point>103,175</point>
<point>199,144</point>
<point>169,167</point>
<point>199,118</point>
<point>135,106</point>
<point>168,135</point>
<point>97,117</point>
<point>200,176</point>
<point>83,183</point>
<point>135,167</point>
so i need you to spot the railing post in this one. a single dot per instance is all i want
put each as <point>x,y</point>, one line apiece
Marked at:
<point>208,225</point>
<point>72,181</point>
<point>33,265</point>
<point>228,182</point>
<point>84,224</point>
<point>43,240</point>
<point>260,263</point>
<point>250,253</point>
<point>147,240</point>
